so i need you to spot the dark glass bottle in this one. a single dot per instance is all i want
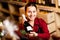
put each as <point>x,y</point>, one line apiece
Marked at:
<point>28,27</point>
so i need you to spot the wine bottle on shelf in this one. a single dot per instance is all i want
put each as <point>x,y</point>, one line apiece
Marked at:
<point>39,1</point>
<point>43,2</point>
<point>53,1</point>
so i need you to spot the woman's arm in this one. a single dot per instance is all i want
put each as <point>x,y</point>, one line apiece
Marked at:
<point>44,28</point>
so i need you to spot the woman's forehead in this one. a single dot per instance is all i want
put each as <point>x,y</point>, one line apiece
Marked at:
<point>31,8</point>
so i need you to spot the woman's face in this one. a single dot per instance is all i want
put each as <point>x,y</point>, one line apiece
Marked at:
<point>31,13</point>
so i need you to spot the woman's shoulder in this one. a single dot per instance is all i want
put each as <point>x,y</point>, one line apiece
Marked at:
<point>39,19</point>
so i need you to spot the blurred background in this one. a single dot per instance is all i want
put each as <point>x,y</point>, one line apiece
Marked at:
<point>11,12</point>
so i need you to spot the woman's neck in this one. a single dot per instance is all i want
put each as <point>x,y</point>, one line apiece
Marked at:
<point>31,23</point>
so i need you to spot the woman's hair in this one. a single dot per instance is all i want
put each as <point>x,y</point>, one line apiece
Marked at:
<point>30,4</point>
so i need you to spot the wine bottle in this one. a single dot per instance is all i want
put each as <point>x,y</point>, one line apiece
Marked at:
<point>28,27</point>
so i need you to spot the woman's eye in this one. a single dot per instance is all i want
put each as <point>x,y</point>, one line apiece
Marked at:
<point>29,11</point>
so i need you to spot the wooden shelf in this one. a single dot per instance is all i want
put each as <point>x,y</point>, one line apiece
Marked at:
<point>39,6</point>
<point>4,10</point>
<point>16,3</point>
<point>15,13</point>
<point>54,9</point>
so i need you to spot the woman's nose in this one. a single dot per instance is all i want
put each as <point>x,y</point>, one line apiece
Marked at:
<point>31,13</point>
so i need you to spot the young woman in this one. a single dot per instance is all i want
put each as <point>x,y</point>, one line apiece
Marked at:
<point>35,27</point>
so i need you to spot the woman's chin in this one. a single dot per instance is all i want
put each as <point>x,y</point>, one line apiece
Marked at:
<point>31,19</point>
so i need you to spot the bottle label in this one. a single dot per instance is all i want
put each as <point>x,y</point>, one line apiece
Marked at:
<point>29,28</point>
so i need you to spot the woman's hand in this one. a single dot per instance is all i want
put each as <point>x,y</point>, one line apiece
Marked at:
<point>33,34</point>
